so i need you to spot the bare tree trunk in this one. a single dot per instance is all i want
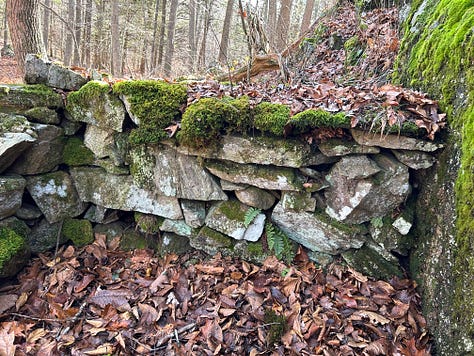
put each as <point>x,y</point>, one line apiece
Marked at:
<point>192,34</point>
<point>308,12</point>
<point>271,22</point>
<point>46,18</point>
<point>86,44</point>
<point>154,50</point>
<point>162,33</point>
<point>115,40</point>
<point>283,24</point>
<point>5,30</point>
<point>77,32</point>
<point>207,23</point>
<point>69,39</point>
<point>98,61</point>
<point>225,33</point>
<point>170,37</point>
<point>24,29</point>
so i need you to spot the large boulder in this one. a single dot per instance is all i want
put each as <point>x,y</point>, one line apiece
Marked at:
<point>120,192</point>
<point>173,174</point>
<point>55,195</point>
<point>24,97</point>
<point>363,189</point>
<point>39,70</point>
<point>317,232</point>
<point>11,194</point>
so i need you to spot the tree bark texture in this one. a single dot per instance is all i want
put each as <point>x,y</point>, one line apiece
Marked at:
<point>115,40</point>
<point>161,46</point>
<point>46,18</point>
<point>86,51</point>
<point>308,13</point>
<point>77,32</point>
<point>170,37</point>
<point>271,22</point>
<point>206,24</point>
<point>192,34</point>
<point>224,45</point>
<point>69,35</point>
<point>283,24</point>
<point>24,29</point>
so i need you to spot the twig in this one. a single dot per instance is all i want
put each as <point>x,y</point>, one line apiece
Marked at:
<point>40,319</point>
<point>175,333</point>
<point>72,321</point>
<point>57,239</point>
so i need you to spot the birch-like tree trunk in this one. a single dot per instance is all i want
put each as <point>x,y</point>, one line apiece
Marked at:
<point>170,37</point>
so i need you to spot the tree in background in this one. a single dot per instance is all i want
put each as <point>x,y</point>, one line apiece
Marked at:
<point>224,45</point>
<point>283,25</point>
<point>116,64</point>
<point>24,28</point>
<point>170,33</point>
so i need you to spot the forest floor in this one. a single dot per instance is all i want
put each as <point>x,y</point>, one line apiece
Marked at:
<point>99,300</point>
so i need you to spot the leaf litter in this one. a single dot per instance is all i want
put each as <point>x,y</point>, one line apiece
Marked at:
<point>99,300</point>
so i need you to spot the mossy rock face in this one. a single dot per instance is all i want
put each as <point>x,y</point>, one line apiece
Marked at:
<point>271,118</point>
<point>79,231</point>
<point>95,104</point>
<point>212,242</point>
<point>132,239</point>
<point>24,97</point>
<point>14,252</point>
<point>308,120</point>
<point>75,153</point>
<point>14,124</point>
<point>354,50</point>
<point>43,115</point>
<point>152,105</point>
<point>436,56</point>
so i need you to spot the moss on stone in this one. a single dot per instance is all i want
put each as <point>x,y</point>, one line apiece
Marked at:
<point>79,231</point>
<point>87,94</point>
<point>307,120</point>
<point>28,96</point>
<point>132,240</point>
<point>277,326</point>
<point>233,210</point>
<point>354,49</point>
<point>271,118</point>
<point>11,244</point>
<point>149,224</point>
<point>75,153</point>
<point>14,123</point>
<point>240,119</point>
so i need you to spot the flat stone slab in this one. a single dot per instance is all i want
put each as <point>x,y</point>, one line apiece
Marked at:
<point>264,177</point>
<point>258,198</point>
<point>120,192</point>
<point>12,145</point>
<point>338,147</point>
<point>173,174</point>
<point>24,97</point>
<point>415,159</point>
<point>395,142</point>
<point>317,232</point>
<point>55,195</point>
<point>261,150</point>
<point>11,194</point>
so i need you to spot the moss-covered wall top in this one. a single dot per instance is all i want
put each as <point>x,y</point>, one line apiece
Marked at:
<point>437,56</point>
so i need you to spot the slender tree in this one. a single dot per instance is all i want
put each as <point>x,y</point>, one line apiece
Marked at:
<point>69,35</point>
<point>224,45</point>
<point>86,44</point>
<point>307,14</point>
<point>116,63</point>
<point>46,22</point>
<point>170,37</point>
<point>192,33</point>
<point>271,21</point>
<point>77,32</point>
<point>207,23</point>
<point>154,45</point>
<point>161,46</point>
<point>283,24</point>
<point>24,29</point>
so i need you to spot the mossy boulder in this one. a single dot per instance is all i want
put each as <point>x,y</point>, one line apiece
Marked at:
<point>24,97</point>
<point>79,231</point>
<point>95,104</point>
<point>75,153</point>
<point>14,252</point>
<point>308,120</point>
<point>43,115</point>
<point>152,105</point>
<point>271,118</point>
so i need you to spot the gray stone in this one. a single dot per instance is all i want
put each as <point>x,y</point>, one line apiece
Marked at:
<point>110,166</point>
<point>286,152</point>
<point>70,127</point>
<point>354,167</point>
<point>212,242</point>
<point>402,225</point>
<point>316,182</point>
<point>120,192</point>
<point>97,107</point>
<point>28,212</point>
<point>322,259</point>
<point>101,215</point>
<point>111,230</point>
<point>194,212</point>
<point>415,159</point>
<point>317,232</point>
<point>228,218</point>
<point>356,196</point>
<point>11,194</point>
<point>255,229</point>
<point>39,70</point>
<point>298,201</point>
<point>173,174</point>
<point>20,97</point>
<point>55,195</point>
<point>147,223</point>
<point>43,115</point>
<point>172,243</point>
<point>338,147</point>
<point>395,142</point>
<point>12,145</point>
<point>226,185</point>
<point>45,236</point>
<point>265,177</point>
<point>387,236</point>
<point>256,198</point>
<point>17,225</point>
<point>179,227</point>
<point>99,141</point>
<point>45,154</point>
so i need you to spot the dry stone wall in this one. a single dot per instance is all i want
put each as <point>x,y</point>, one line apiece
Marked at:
<point>69,169</point>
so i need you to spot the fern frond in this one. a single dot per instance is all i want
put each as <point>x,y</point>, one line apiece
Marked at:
<point>250,215</point>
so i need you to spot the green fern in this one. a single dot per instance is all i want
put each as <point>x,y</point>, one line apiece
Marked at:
<point>250,215</point>
<point>279,243</point>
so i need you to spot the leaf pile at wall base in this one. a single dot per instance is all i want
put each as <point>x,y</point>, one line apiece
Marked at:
<point>98,300</point>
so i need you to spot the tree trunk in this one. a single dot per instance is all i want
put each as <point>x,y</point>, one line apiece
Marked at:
<point>170,37</point>
<point>192,34</point>
<point>86,44</point>
<point>69,36</point>
<point>77,33</point>
<point>154,51</point>
<point>225,33</point>
<point>207,22</point>
<point>306,21</point>
<point>46,18</point>
<point>115,40</point>
<point>98,61</point>
<point>5,30</point>
<point>162,33</point>
<point>24,29</point>
<point>283,25</point>
<point>271,22</point>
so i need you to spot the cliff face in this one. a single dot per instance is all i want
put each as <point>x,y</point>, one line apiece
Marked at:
<point>437,56</point>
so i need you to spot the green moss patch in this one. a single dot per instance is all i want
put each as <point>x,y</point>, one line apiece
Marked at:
<point>79,231</point>
<point>271,118</point>
<point>307,120</point>
<point>11,244</point>
<point>75,153</point>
